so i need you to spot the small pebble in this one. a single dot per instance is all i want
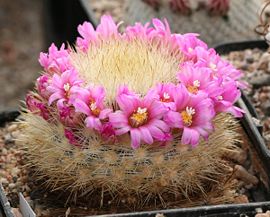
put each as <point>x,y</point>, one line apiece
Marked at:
<point>4,151</point>
<point>266,107</point>
<point>15,134</point>
<point>12,128</point>
<point>256,68</point>
<point>160,215</point>
<point>267,214</point>
<point>8,138</point>
<point>260,80</point>
<point>15,171</point>
<point>3,180</point>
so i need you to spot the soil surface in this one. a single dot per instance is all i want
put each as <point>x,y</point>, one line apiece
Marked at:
<point>255,64</point>
<point>21,40</point>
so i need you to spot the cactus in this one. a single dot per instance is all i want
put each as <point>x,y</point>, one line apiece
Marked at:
<point>77,138</point>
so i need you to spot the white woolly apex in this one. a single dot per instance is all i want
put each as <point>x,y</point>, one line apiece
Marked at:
<point>66,87</point>
<point>190,111</point>
<point>196,83</point>
<point>141,110</point>
<point>117,62</point>
<point>166,95</point>
<point>190,49</point>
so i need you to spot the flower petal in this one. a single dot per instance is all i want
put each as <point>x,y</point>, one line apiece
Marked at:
<point>122,130</point>
<point>190,137</point>
<point>173,119</point>
<point>54,97</point>
<point>127,103</point>
<point>156,132</point>
<point>135,138</point>
<point>146,135</point>
<point>104,113</point>
<point>118,119</point>
<point>93,123</point>
<point>80,106</point>
<point>161,125</point>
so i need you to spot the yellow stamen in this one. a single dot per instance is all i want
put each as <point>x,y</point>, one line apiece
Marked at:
<point>94,109</point>
<point>196,83</point>
<point>67,87</point>
<point>192,89</point>
<point>139,117</point>
<point>195,87</point>
<point>166,97</point>
<point>187,116</point>
<point>67,90</point>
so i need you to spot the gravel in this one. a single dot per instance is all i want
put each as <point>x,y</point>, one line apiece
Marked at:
<point>255,64</point>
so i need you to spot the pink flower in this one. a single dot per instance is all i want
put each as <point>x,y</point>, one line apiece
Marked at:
<point>187,44</point>
<point>88,34</point>
<point>193,114</point>
<point>55,61</point>
<point>208,58</point>
<point>164,93</point>
<point>199,79</point>
<point>165,139</point>
<point>42,83</point>
<point>106,29</point>
<point>62,85</point>
<point>225,101</point>
<point>91,102</point>
<point>220,68</point>
<point>124,90</point>
<point>159,33</point>
<point>107,132</point>
<point>141,117</point>
<point>71,137</point>
<point>67,114</point>
<point>35,105</point>
<point>138,31</point>
<point>229,73</point>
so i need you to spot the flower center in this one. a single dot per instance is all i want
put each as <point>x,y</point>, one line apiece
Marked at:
<point>220,98</point>
<point>94,109</point>
<point>67,89</point>
<point>195,87</point>
<point>190,49</point>
<point>213,66</point>
<point>139,117</point>
<point>166,97</point>
<point>187,116</point>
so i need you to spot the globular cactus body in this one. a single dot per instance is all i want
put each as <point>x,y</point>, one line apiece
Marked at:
<point>113,118</point>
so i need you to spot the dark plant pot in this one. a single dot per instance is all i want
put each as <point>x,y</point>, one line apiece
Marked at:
<point>5,209</point>
<point>249,125</point>
<point>61,19</point>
